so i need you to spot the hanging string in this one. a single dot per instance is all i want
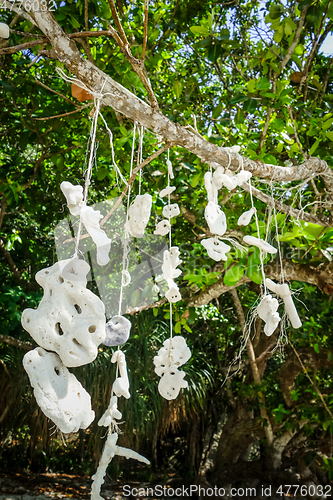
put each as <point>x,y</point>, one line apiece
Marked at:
<point>258,234</point>
<point>139,159</point>
<point>125,279</point>
<point>277,235</point>
<point>170,241</point>
<point>91,144</point>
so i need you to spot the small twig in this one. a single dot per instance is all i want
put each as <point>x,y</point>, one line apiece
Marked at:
<point>117,21</point>
<point>55,92</point>
<point>145,32</point>
<point>315,241</point>
<point>305,155</point>
<point>86,14</point>
<point>35,58</point>
<point>311,381</point>
<point>23,46</point>
<point>65,114</point>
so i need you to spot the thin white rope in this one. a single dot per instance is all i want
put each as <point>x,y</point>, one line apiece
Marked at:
<point>277,235</point>
<point>125,240</point>
<point>91,145</point>
<point>258,234</point>
<point>170,241</point>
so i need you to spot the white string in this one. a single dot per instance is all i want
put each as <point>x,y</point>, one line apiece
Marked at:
<point>89,170</point>
<point>277,235</point>
<point>124,268</point>
<point>258,234</point>
<point>140,156</point>
<point>170,240</point>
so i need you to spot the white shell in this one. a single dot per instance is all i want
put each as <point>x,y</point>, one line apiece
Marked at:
<point>166,191</point>
<point>90,218</point>
<point>170,211</point>
<point>138,215</point>
<point>259,243</point>
<point>210,187</point>
<point>170,262</point>
<point>117,331</point>
<point>283,291</point>
<point>69,319</point>
<point>216,249</point>
<point>246,217</point>
<point>121,384</point>
<point>170,357</point>
<point>215,219</point>
<point>59,394</point>
<point>162,228</point>
<point>4,30</point>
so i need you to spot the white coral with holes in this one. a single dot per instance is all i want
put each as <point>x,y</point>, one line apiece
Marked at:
<point>70,319</point>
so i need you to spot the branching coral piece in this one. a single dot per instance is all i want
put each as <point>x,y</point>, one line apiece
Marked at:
<point>170,262</point>
<point>267,311</point>
<point>215,219</point>
<point>173,354</point>
<point>110,450</point>
<point>69,319</point>
<point>90,218</point>
<point>259,243</point>
<point>117,331</point>
<point>283,291</point>
<point>112,414</point>
<point>59,394</point>
<point>138,215</point>
<point>173,294</point>
<point>216,249</point>
<point>121,384</point>
<point>221,178</point>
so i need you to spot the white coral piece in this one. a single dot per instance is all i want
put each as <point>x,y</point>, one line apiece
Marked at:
<point>138,215</point>
<point>216,249</point>
<point>59,394</point>
<point>215,219</point>
<point>70,319</point>
<point>282,290</point>
<point>259,243</point>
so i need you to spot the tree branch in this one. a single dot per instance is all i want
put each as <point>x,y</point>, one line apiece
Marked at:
<point>287,209</point>
<point>145,32</point>
<point>6,339</point>
<point>124,102</point>
<point>293,44</point>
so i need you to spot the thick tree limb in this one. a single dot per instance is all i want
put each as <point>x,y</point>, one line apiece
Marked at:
<point>322,277</point>
<point>123,101</point>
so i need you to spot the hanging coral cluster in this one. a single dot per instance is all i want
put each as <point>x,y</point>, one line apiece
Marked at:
<point>217,249</point>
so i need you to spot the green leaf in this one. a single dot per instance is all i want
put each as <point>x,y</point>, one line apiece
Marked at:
<point>314,147</point>
<point>329,135</point>
<point>251,85</point>
<point>316,348</point>
<point>196,179</point>
<point>254,273</point>
<point>263,84</point>
<point>177,88</point>
<point>199,30</point>
<point>233,275</point>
